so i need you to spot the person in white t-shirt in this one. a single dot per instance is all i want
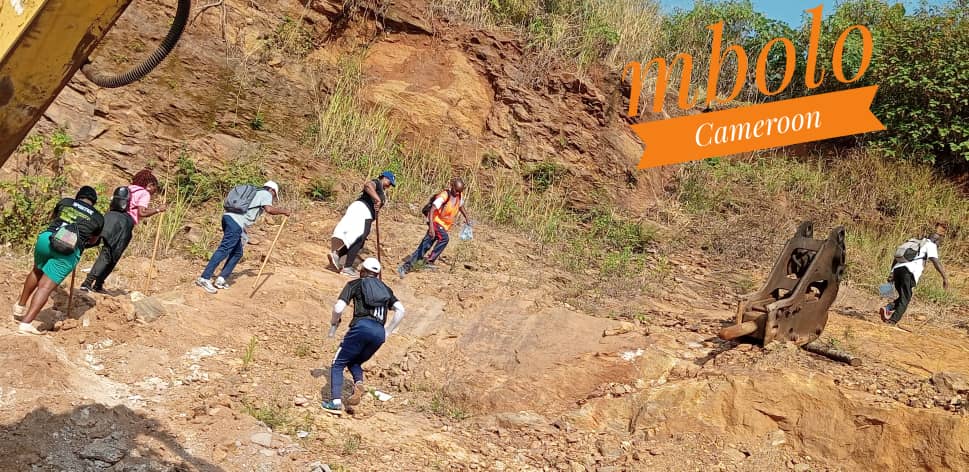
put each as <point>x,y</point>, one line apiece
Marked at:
<point>906,275</point>
<point>235,238</point>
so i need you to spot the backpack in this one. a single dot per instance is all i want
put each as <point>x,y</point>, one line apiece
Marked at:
<point>375,293</point>
<point>65,239</point>
<point>121,200</point>
<point>908,251</point>
<point>375,298</point>
<point>239,198</point>
<point>426,211</point>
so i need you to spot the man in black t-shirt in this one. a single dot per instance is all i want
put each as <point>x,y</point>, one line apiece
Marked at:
<point>53,265</point>
<point>372,299</point>
<point>351,232</point>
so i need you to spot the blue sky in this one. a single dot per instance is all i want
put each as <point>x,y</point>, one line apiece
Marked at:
<point>790,11</point>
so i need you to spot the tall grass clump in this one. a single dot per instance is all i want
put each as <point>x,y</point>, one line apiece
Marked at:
<point>363,138</point>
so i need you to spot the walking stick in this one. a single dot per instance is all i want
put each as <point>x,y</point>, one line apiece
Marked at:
<point>264,261</point>
<point>376,223</point>
<point>70,295</point>
<point>154,252</point>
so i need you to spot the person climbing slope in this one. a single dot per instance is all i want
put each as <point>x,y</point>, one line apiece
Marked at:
<point>371,300</point>
<point>440,213</point>
<point>353,229</point>
<point>908,264</point>
<point>128,207</point>
<point>75,225</point>
<point>242,206</point>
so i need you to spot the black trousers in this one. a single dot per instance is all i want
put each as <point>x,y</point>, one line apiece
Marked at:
<point>115,236</point>
<point>904,283</point>
<point>354,249</point>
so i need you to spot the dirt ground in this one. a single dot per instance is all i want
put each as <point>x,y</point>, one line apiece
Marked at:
<point>490,371</point>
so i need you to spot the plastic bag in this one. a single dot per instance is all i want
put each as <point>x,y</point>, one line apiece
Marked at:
<point>887,290</point>
<point>466,233</point>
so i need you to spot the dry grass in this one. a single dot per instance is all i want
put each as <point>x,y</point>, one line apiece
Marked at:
<point>584,32</point>
<point>740,207</point>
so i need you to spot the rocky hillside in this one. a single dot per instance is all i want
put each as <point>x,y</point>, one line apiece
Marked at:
<point>468,93</point>
<point>509,359</point>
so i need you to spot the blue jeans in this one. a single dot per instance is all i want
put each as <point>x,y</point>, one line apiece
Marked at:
<point>438,242</point>
<point>358,346</point>
<point>229,250</point>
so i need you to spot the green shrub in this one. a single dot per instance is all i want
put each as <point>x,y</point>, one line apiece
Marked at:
<point>545,174</point>
<point>321,190</point>
<point>292,38</point>
<point>26,206</point>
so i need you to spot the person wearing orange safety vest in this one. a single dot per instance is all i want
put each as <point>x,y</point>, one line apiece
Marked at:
<point>443,209</point>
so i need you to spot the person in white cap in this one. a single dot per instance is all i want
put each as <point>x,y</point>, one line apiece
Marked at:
<point>242,207</point>
<point>372,299</point>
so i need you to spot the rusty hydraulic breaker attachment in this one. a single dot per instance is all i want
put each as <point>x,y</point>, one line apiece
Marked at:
<point>793,304</point>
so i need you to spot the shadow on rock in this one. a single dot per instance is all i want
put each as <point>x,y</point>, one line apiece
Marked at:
<point>92,438</point>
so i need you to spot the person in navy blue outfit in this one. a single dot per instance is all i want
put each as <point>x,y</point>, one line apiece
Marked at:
<point>372,299</point>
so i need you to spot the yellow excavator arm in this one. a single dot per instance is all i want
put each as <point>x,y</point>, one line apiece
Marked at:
<point>43,43</point>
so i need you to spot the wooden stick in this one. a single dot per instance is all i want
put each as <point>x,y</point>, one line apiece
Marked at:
<point>376,223</point>
<point>832,353</point>
<point>70,294</point>
<point>255,285</point>
<point>161,219</point>
<point>154,253</point>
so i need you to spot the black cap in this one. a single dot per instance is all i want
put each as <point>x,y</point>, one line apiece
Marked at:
<point>87,193</point>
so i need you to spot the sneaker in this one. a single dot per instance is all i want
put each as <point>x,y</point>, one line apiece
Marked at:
<point>335,259</point>
<point>885,313</point>
<point>401,271</point>
<point>333,408</point>
<point>19,311</point>
<point>27,328</point>
<point>206,285</point>
<point>350,272</point>
<point>220,283</point>
<point>85,288</point>
<point>358,392</point>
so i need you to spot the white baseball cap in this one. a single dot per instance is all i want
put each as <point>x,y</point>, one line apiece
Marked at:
<point>272,185</point>
<point>371,264</point>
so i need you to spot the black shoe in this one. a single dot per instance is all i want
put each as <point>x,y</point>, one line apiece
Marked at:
<point>99,289</point>
<point>86,288</point>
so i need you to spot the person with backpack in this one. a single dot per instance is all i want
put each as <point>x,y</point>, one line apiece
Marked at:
<point>75,225</point>
<point>440,212</point>
<point>128,206</point>
<point>908,264</point>
<point>372,299</point>
<point>242,207</point>
<point>353,229</point>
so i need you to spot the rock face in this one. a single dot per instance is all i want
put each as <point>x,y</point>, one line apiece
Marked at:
<point>434,89</point>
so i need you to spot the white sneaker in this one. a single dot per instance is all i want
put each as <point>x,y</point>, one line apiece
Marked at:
<point>335,259</point>
<point>19,311</point>
<point>206,285</point>
<point>221,283</point>
<point>27,328</point>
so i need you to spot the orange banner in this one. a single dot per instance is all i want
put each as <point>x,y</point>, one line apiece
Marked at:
<point>721,133</point>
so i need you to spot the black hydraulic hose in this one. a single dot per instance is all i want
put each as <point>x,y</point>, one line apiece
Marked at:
<point>141,70</point>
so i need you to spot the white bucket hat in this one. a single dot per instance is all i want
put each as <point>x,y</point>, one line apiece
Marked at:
<point>272,185</point>
<point>371,264</point>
